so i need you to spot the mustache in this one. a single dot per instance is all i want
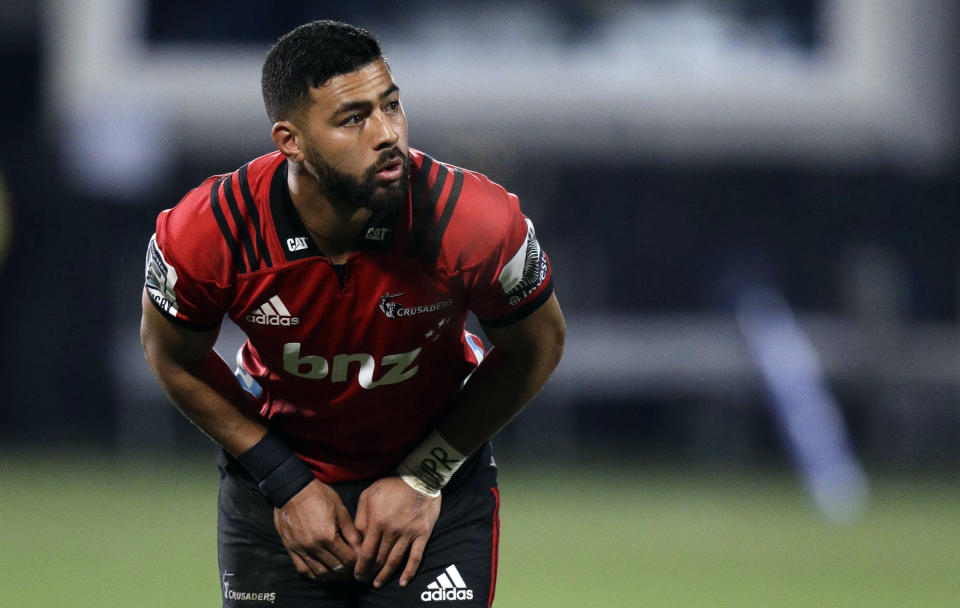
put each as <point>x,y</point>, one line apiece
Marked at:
<point>387,158</point>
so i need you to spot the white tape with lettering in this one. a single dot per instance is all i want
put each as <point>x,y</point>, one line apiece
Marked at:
<point>429,467</point>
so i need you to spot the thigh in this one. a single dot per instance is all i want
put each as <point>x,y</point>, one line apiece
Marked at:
<point>255,569</point>
<point>459,565</point>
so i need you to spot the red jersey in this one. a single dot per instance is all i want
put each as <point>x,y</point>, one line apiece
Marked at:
<point>351,363</point>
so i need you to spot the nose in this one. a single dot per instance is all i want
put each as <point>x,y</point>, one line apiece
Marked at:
<point>384,132</point>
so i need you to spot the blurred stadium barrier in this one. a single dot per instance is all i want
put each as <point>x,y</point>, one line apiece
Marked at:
<point>694,81</point>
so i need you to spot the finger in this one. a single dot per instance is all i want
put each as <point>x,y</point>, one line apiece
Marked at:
<point>413,562</point>
<point>367,556</point>
<point>312,568</point>
<point>360,521</point>
<point>340,553</point>
<point>387,541</point>
<point>301,566</point>
<point>334,555</point>
<point>303,562</point>
<point>348,530</point>
<point>392,561</point>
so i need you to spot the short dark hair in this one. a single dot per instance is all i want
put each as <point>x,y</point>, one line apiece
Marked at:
<point>308,56</point>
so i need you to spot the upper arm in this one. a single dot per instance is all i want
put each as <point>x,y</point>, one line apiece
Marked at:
<point>504,271</point>
<point>538,337</point>
<point>166,342</point>
<point>186,283</point>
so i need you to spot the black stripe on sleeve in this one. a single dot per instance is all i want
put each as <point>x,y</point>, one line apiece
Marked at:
<point>180,322</point>
<point>524,311</point>
<point>254,215</point>
<point>242,229</point>
<point>423,208</point>
<point>451,204</point>
<point>225,228</point>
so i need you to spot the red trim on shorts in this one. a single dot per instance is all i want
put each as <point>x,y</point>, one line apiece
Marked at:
<point>496,544</point>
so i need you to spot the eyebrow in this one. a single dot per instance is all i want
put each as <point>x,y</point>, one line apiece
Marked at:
<point>351,106</point>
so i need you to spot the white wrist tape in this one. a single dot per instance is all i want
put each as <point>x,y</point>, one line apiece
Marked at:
<point>430,465</point>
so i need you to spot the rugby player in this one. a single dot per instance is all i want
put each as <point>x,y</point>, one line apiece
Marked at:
<point>355,464</point>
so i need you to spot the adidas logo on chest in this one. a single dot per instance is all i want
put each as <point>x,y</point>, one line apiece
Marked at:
<point>272,312</point>
<point>449,586</point>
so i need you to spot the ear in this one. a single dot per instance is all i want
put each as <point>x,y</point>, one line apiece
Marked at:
<point>286,136</point>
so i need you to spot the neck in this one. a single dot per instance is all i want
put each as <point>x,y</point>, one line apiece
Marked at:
<point>334,225</point>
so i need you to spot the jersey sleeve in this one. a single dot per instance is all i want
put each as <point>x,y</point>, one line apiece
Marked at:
<point>511,277</point>
<point>184,273</point>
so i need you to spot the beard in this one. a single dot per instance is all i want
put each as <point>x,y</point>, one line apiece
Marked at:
<point>363,191</point>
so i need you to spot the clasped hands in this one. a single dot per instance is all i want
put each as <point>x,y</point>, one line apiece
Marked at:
<point>393,524</point>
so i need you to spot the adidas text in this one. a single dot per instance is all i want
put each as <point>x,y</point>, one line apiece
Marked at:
<point>448,586</point>
<point>272,312</point>
<point>440,595</point>
<point>273,320</point>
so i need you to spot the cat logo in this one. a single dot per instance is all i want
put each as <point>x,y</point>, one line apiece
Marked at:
<point>297,243</point>
<point>377,234</point>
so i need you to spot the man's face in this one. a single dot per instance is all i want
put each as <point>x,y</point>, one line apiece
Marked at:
<point>356,139</point>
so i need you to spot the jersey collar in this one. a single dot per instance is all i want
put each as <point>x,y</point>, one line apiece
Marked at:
<point>378,235</point>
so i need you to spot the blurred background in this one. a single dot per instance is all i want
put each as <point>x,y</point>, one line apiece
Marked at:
<point>751,209</point>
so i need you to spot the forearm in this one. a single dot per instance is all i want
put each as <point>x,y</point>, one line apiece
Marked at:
<point>207,393</point>
<point>496,392</point>
<point>523,357</point>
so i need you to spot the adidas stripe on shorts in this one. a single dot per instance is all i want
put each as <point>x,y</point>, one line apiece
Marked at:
<point>459,565</point>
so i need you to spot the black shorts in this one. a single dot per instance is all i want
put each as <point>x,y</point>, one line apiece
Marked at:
<point>459,566</point>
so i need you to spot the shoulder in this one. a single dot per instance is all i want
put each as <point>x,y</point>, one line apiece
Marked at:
<point>473,214</point>
<point>188,236</point>
<point>258,174</point>
<point>205,233</point>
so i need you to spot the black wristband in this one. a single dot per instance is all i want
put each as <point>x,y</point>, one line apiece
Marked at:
<point>277,469</point>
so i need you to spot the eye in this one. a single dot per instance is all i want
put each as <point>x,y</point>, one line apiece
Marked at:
<point>353,119</point>
<point>393,106</point>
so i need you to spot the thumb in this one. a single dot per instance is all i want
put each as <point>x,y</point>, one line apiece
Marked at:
<point>350,529</point>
